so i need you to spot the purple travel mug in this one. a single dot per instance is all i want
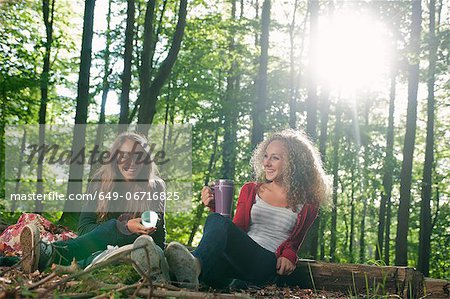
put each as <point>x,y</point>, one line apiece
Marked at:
<point>223,197</point>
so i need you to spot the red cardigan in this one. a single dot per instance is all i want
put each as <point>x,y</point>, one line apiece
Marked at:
<point>289,247</point>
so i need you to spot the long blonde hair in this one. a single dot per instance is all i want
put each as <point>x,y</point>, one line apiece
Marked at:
<point>106,177</point>
<point>303,176</point>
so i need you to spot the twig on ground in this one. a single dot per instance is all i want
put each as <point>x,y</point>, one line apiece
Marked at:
<point>77,295</point>
<point>166,286</point>
<point>137,290</point>
<point>42,281</point>
<point>81,274</point>
<point>93,268</point>
<point>71,269</point>
<point>121,289</point>
<point>189,294</point>
<point>16,265</point>
<point>57,270</point>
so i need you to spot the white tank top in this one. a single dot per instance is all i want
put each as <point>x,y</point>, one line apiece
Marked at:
<point>269,225</point>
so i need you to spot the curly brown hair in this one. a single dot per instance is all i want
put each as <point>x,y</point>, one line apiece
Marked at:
<point>303,176</point>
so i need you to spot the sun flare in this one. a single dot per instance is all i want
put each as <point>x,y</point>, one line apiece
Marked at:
<point>353,52</point>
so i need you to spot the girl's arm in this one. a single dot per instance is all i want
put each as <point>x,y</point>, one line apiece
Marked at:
<point>290,247</point>
<point>242,210</point>
<point>87,221</point>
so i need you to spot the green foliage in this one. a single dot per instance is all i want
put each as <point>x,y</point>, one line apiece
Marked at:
<point>115,274</point>
<point>22,46</point>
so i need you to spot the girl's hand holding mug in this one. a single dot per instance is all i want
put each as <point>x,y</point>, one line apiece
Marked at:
<point>135,226</point>
<point>208,197</point>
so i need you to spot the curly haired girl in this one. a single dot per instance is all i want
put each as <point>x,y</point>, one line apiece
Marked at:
<point>271,220</point>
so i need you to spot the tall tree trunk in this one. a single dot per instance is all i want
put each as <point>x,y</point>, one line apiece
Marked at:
<point>106,71</point>
<point>127,63</point>
<point>147,107</point>
<point>311,100</point>
<point>364,193</point>
<point>425,209</point>
<point>200,208</point>
<point>78,142</point>
<point>292,76</point>
<point>311,242</point>
<point>388,166</point>
<point>401,242</point>
<point>352,215</point>
<point>156,36</point>
<point>260,103</point>
<point>344,217</point>
<point>105,88</point>
<point>256,19</point>
<point>325,108</point>
<point>20,167</point>
<point>138,55</point>
<point>317,229</point>
<point>146,63</point>
<point>48,12</point>
<point>166,115</point>
<point>2,138</point>
<point>229,106</point>
<point>336,138</point>
<point>324,216</point>
<point>387,238</point>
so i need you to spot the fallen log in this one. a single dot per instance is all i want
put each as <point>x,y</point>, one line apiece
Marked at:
<point>356,279</point>
<point>437,288</point>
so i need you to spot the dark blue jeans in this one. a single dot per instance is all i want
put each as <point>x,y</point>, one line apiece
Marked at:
<point>226,252</point>
<point>85,245</point>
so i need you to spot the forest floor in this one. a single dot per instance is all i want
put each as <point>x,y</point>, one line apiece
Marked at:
<point>121,281</point>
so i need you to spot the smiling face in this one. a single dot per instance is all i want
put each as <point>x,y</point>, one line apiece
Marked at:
<point>130,151</point>
<point>275,156</point>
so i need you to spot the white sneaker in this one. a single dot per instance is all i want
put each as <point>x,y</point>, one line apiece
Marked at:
<point>149,259</point>
<point>37,254</point>
<point>183,265</point>
<point>110,252</point>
